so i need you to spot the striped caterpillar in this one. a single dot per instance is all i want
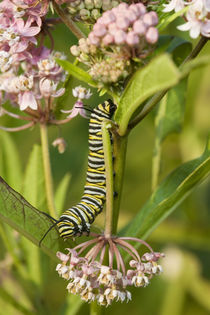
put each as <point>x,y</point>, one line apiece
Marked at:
<point>77,219</point>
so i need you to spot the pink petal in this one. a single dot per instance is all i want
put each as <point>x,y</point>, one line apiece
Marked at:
<point>27,99</point>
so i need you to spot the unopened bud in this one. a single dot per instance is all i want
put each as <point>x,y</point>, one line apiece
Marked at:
<point>114,4</point>
<point>83,45</point>
<point>60,143</point>
<point>89,4</point>
<point>85,14</point>
<point>95,14</point>
<point>106,5</point>
<point>152,35</point>
<point>98,4</point>
<point>75,51</point>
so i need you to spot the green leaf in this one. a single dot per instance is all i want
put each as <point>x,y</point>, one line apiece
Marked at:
<point>61,192</point>
<point>76,72</point>
<point>33,187</point>
<point>179,48</point>
<point>9,158</point>
<point>160,74</point>
<point>28,221</point>
<point>169,119</point>
<point>34,182</point>
<point>170,193</point>
<point>170,115</point>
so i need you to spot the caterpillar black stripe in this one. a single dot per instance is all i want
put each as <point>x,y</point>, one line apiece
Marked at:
<point>77,220</point>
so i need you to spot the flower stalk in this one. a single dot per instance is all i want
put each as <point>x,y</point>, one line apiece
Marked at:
<point>47,170</point>
<point>109,179</point>
<point>68,21</point>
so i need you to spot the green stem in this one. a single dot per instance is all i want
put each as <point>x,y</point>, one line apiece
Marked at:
<point>109,179</point>
<point>119,153</point>
<point>47,170</point>
<point>157,97</point>
<point>68,21</point>
<point>95,309</point>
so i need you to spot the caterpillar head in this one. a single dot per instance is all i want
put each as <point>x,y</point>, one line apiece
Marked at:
<point>110,107</point>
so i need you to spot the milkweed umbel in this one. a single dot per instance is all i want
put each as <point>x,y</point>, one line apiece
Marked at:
<point>77,219</point>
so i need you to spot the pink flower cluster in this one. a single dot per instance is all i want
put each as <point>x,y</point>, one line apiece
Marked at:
<point>20,22</point>
<point>28,73</point>
<point>125,24</point>
<point>94,281</point>
<point>40,80</point>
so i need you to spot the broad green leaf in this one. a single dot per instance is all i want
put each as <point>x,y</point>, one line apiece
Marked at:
<point>169,119</point>
<point>170,115</point>
<point>61,192</point>
<point>160,74</point>
<point>170,193</point>
<point>33,188</point>
<point>10,166</point>
<point>28,221</point>
<point>34,182</point>
<point>76,72</point>
<point>179,48</point>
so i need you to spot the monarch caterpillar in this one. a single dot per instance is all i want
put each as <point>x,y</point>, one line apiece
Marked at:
<point>77,219</point>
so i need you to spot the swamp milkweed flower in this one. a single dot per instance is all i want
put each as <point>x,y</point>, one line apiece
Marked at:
<point>90,278</point>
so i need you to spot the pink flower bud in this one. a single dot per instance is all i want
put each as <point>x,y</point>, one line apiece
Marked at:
<point>152,35</point>
<point>93,39</point>
<point>99,30</point>
<point>122,7</point>
<point>112,28</point>
<point>131,15</point>
<point>108,17</point>
<point>141,8</point>
<point>63,257</point>
<point>108,39</point>
<point>150,18</point>
<point>139,27</point>
<point>122,22</point>
<point>132,39</point>
<point>120,37</point>
<point>133,7</point>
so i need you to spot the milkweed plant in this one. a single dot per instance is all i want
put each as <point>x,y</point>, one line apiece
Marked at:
<point>129,54</point>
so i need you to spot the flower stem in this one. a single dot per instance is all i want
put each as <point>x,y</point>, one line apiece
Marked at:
<point>109,179</point>
<point>68,21</point>
<point>47,170</point>
<point>158,96</point>
<point>119,153</point>
<point>95,309</point>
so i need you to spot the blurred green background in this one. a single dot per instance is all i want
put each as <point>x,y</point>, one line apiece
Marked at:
<point>184,287</point>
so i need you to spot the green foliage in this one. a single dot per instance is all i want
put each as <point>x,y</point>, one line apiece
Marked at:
<point>27,220</point>
<point>8,158</point>
<point>170,193</point>
<point>61,193</point>
<point>160,74</point>
<point>76,72</point>
<point>34,182</point>
<point>169,119</point>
